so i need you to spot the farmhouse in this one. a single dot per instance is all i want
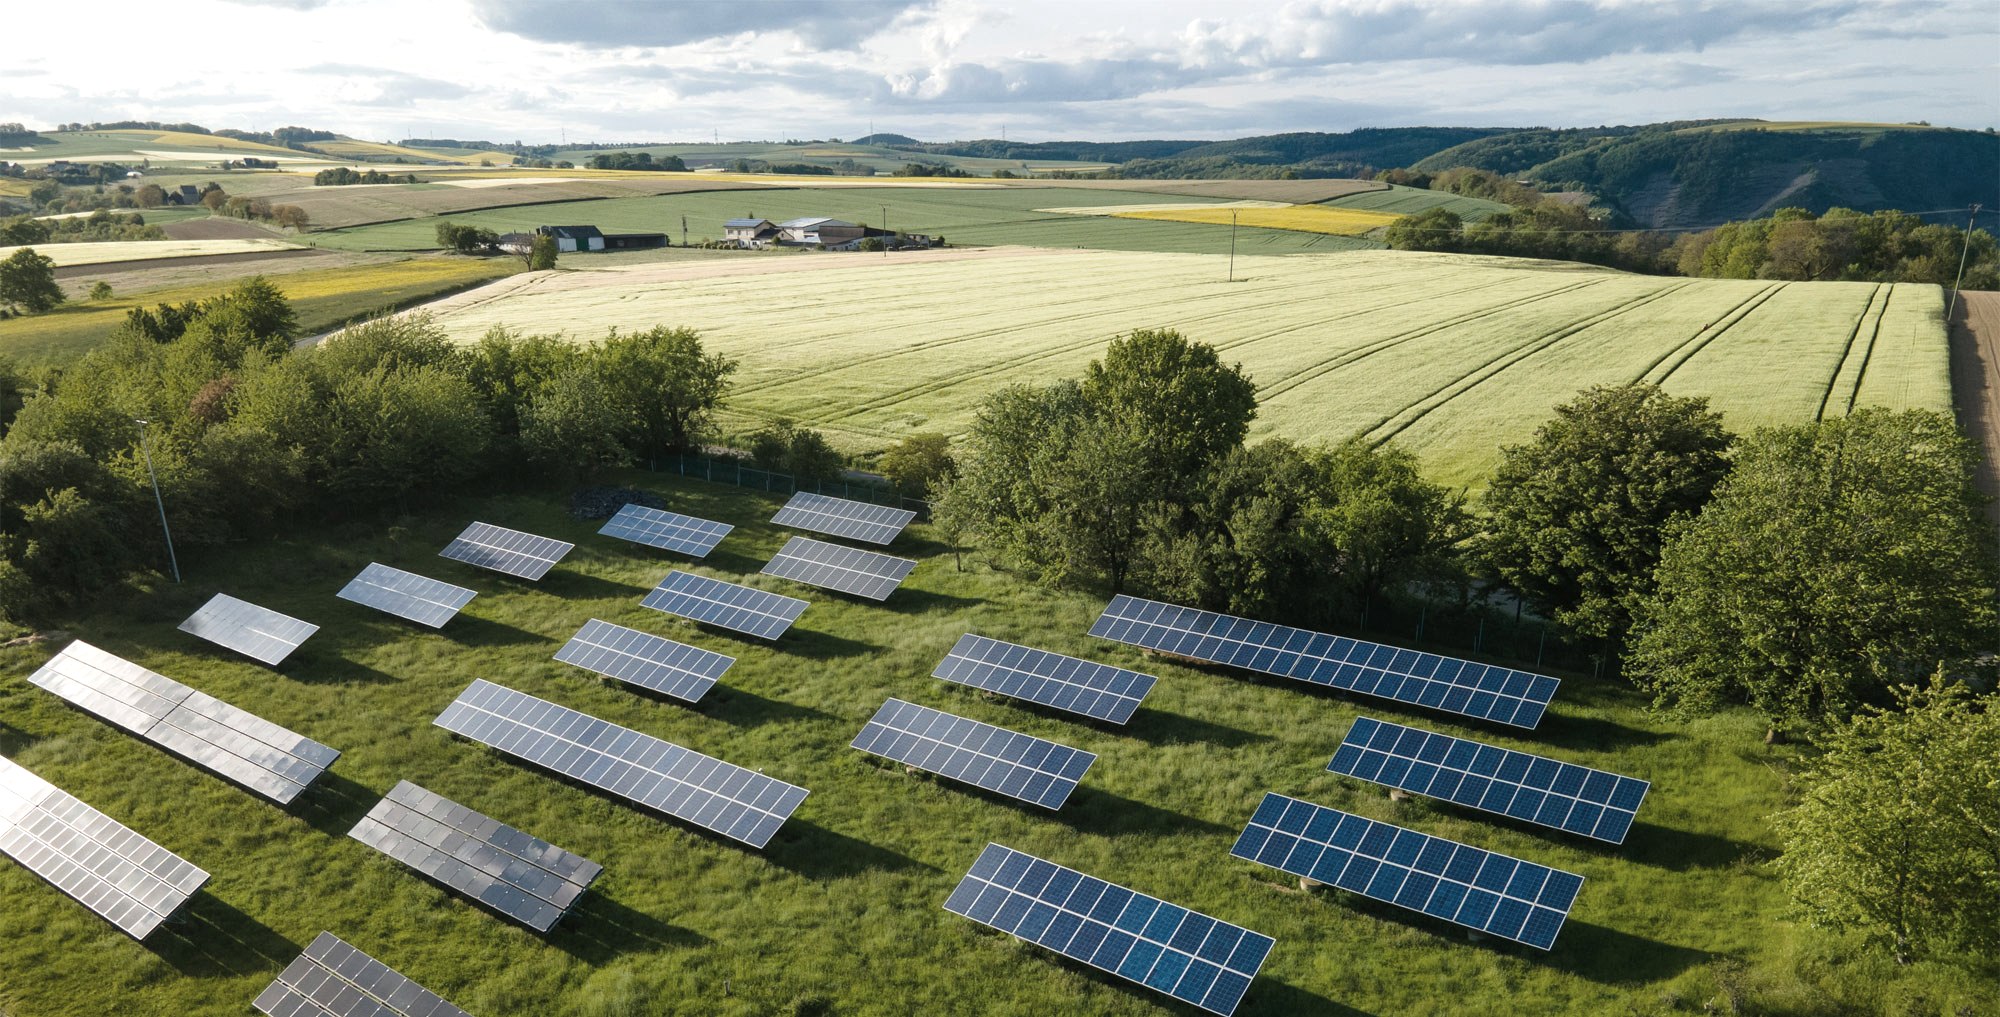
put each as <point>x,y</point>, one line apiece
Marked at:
<point>815,232</point>
<point>750,232</point>
<point>186,194</point>
<point>570,239</point>
<point>515,243</point>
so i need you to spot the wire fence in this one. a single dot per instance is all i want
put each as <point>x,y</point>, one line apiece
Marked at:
<point>732,470</point>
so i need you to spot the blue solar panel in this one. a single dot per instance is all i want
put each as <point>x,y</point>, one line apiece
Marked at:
<point>1165,947</point>
<point>703,790</point>
<point>643,659</point>
<point>1465,687</point>
<point>842,517</point>
<point>725,605</point>
<point>1016,765</point>
<point>1533,789</point>
<point>1479,889</point>
<point>669,531</point>
<point>1095,690</point>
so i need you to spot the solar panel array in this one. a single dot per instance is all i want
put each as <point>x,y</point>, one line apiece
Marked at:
<point>1016,765</point>
<point>1185,954</point>
<point>255,632</point>
<point>725,605</point>
<point>1527,787</point>
<point>646,660</point>
<point>833,567</point>
<point>855,520</point>
<point>728,799</point>
<point>333,979</point>
<point>406,595</point>
<point>525,878</point>
<point>1470,886</point>
<point>1095,690</point>
<point>269,760</point>
<point>130,881</point>
<point>1465,687</point>
<point>669,531</point>
<point>503,550</point>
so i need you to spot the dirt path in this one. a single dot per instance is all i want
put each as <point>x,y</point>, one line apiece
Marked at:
<point>1975,383</point>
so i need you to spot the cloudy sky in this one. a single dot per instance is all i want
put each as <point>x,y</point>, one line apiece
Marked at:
<point>687,70</point>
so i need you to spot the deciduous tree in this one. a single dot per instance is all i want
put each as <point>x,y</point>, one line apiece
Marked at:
<point>28,280</point>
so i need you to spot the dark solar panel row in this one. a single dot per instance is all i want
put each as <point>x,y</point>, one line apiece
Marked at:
<point>1472,689</point>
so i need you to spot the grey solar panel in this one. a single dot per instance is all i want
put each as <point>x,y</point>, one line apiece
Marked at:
<point>668,531</point>
<point>525,878</point>
<point>833,567</point>
<point>333,979</point>
<point>406,595</point>
<point>255,753</point>
<point>725,605</point>
<point>855,520</point>
<point>1016,765</point>
<point>1531,788</point>
<point>643,659</point>
<point>1095,690</point>
<point>1468,688</point>
<point>255,632</point>
<point>128,880</point>
<point>503,550</point>
<point>723,797</point>
<point>1476,888</point>
<point>1187,955</point>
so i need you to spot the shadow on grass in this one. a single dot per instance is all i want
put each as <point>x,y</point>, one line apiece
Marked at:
<point>1163,728</point>
<point>571,585</point>
<point>13,739</point>
<point>1596,734</point>
<point>334,804</point>
<point>1611,957</point>
<point>330,669</point>
<point>473,630</point>
<point>210,939</point>
<point>599,930</point>
<point>928,602</point>
<point>1681,850</point>
<point>746,709</point>
<point>816,644</point>
<point>1273,997</point>
<point>1093,810</point>
<point>816,852</point>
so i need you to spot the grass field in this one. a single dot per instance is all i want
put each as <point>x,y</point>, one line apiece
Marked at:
<point>965,215</point>
<point>1400,200</point>
<point>1345,222</point>
<point>111,251</point>
<point>322,297</point>
<point>1448,355</point>
<point>841,914</point>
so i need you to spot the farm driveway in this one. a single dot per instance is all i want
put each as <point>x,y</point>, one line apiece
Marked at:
<point>1975,383</point>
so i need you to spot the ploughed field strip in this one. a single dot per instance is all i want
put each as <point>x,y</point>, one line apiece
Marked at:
<point>333,979</point>
<point>1031,769</point>
<point>668,531</point>
<point>1479,889</point>
<point>525,878</point>
<point>842,517</point>
<point>513,552</point>
<point>725,605</point>
<point>834,567</point>
<point>269,760</point>
<point>1097,691</point>
<point>255,632</point>
<point>646,660</point>
<point>128,880</point>
<point>1530,788</point>
<point>1468,688</point>
<point>407,595</point>
<point>1185,954</point>
<point>722,797</point>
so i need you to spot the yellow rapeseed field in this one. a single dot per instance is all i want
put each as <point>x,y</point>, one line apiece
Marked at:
<point>1344,222</point>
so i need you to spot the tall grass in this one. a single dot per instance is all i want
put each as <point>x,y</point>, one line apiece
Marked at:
<point>842,913</point>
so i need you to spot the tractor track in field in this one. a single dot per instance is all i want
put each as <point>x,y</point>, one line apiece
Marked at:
<point>1495,366</point>
<point>1847,351</point>
<point>1354,356</point>
<point>1975,385</point>
<point>1868,352</point>
<point>1686,351</point>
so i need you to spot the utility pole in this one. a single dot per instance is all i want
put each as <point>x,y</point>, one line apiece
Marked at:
<point>172,561</point>
<point>1963,250</point>
<point>1232,245</point>
<point>885,229</point>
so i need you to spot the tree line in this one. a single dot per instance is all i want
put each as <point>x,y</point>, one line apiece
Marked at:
<point>340,176</point>
<point>1838,577</point>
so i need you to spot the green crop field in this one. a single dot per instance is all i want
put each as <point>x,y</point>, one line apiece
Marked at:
<point>964,214</point>
<point>1447,355</point>
<point>1412,200</point>
<point>841,914</point>
<point>880,158</point>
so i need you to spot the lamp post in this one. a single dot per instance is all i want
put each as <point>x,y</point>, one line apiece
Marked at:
<point>172,562</point>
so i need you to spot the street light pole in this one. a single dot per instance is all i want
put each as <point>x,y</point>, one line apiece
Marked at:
<point>172,562</point>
